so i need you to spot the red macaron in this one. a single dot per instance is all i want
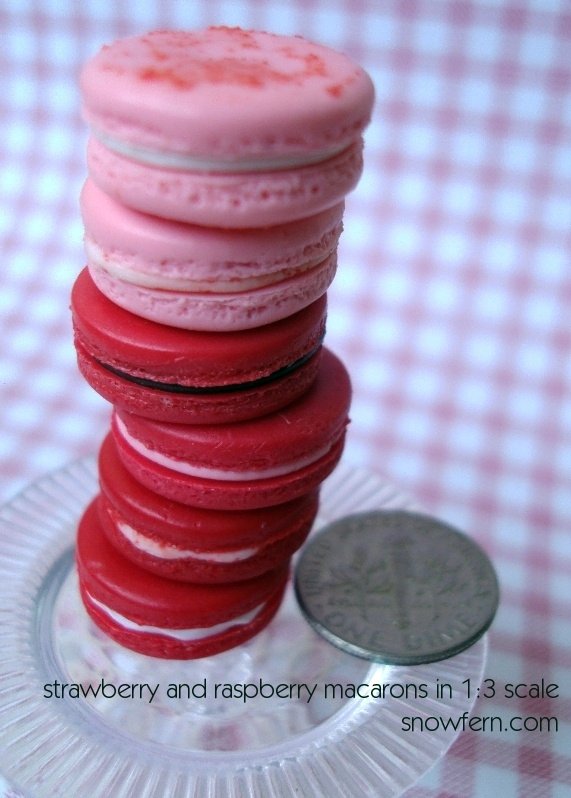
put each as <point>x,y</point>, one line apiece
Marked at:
<point>164,617</point>
<point>256,463</point>
<point>193,544</point>
<point>193,377</point>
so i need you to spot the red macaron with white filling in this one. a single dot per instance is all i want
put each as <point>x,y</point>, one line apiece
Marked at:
<point>256,463</point>
<point>164,617</point>
<point>193,544</point>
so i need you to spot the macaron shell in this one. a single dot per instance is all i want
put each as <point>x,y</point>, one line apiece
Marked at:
<point>222,407</point>
<point>143,349</point>
<point>164,254</point>
<point>183,525</point>
<point>165,647</point>
<point>226,199</point>
<point>217,566</point>
<point>219,312</point>
<point>225,92</point>
<point>292,435</point>
<point>225,494</point>
<point>148,599</point>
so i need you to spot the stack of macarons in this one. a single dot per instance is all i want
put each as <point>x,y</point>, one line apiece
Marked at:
<point>218,164</point>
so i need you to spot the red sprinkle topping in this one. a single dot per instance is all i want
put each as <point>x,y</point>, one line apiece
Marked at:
<point>182,60</point>
<point>335,90</point>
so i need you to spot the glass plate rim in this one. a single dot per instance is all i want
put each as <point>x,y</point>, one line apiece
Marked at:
<point>350,744</point>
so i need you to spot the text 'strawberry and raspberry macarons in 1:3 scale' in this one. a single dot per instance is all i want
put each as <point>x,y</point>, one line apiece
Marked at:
<point>218,164</point>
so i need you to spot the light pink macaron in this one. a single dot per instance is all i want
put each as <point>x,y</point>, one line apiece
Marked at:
<point>203,278</point>
<point>225,127</point>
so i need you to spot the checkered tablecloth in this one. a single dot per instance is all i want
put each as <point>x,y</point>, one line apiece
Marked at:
<point>452,304</point>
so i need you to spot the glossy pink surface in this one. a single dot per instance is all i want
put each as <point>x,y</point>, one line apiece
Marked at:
<point>226,92</point>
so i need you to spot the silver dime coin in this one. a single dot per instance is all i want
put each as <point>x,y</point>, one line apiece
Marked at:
<point>396,587</point>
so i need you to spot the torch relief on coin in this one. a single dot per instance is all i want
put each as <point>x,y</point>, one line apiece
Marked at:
<point>396,587</point>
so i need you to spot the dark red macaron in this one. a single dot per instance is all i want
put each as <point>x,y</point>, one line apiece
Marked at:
<point>193,377</point>
<point>193,544</point>
<point>164,617</point>
<point>254,463</point>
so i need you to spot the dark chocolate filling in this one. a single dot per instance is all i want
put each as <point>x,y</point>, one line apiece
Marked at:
<point>189,389</point>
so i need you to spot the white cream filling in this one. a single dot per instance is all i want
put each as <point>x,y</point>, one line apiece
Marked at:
<point>184,635</point>
<point>203,472</point>
<point>202,163</point>
<point>167,551</point>
<point>117,268</point>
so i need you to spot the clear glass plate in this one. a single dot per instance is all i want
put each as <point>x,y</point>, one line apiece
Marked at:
<point>106,734</point>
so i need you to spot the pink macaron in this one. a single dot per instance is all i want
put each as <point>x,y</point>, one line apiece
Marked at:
<point>260,462</point>
<point>201,278</point>
<point>164,617</point>
<point>225,127</point>
<point>192,544</point>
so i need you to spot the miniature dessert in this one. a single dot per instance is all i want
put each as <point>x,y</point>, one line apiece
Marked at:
<point>218,164</point>
<point>165,617</point>
<point>193,377</point>
<point>255,463</point>
<point>204,278</point>
<point>225,127</point>
<point>193,544</point>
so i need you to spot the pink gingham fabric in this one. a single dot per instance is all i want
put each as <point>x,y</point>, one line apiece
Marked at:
<point>451,307</point>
